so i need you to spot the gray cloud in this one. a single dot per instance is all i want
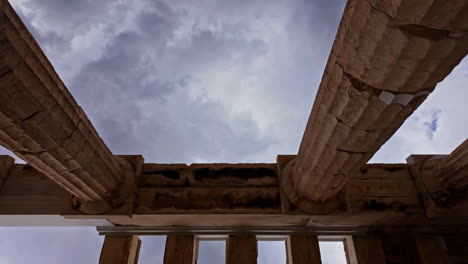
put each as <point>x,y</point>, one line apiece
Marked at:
<point>183,83</point>
<point>215,81</point>
<point>58,245</point>
<point>179,82</point>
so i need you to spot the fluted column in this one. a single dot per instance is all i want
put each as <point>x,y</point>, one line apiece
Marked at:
<point>303,250</point>
<point>242,249</point>
<point>120,250</point>
<point>387,57</point>
<point>42,124</point>
<point>179,249</point>
<point>368,249</point>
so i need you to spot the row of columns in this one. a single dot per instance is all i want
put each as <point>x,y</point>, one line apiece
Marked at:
<point>181,249</point>
<point>361,249</point>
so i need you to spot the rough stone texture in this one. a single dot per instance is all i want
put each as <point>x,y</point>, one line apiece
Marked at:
<point>208,200</point>
<point>374,202</point>
<point>454,171</point>
<point>157,175</point>
<point>29,192</point>
<point>387,57</point>
<point>303,250</point>
<point>209,175</point>
<point>457,246</point>
<point>6,162</point>
<point>369,249</point>
<point>241,249</point>
<point>120,250</point>
<point>42,123</point>
<point>254,174</point>
<point>442,180</point>
<point>179,249</point>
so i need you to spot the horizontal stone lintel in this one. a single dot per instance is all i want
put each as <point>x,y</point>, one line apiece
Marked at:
<point>374,198</point>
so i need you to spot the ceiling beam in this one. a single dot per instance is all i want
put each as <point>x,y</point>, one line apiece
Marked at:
<point>388,56</point>
<point>41,123</point>
<point>380,195</point>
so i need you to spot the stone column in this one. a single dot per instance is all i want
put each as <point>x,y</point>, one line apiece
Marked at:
<point>303,250</point>
<point>430,249</point>
<point>242,249</point>
<point>42,123</point>
<point>387,57</point>
<point>179,249</point>
<point>368,249</point>
<point>120,250</point>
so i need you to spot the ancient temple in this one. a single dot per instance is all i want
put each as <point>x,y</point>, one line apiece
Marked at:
<point>388,56</point>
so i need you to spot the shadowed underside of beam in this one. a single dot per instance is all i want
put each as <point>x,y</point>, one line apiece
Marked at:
<point>387,57</point>
<point>454,172</point>
<point>42,123</point>
<point>442,180</point>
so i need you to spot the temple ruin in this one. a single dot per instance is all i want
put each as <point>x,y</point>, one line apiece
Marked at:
<point>388,56</point>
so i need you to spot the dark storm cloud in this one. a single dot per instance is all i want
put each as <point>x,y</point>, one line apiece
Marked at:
<point>137,90</point>
<point>201,81</point>
<point>212,81</point>
<point>179,81</point>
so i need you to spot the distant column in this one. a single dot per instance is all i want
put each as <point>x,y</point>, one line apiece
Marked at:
<point>431,249</point>
<point>368,249</point>
<point>41,123</point>
<point>179,249</point>
<point>303,250</point>
<point>120,250</point>
<point>242,249</point>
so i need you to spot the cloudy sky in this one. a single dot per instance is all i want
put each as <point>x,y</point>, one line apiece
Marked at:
<point>204,81</point>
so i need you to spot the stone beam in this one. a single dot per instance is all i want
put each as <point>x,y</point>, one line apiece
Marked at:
<point>380,195</point>
<point>42,123</point>
<point>388,56</point>
<point>28,198</point>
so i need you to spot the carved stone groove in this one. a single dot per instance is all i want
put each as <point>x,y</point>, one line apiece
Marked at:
<point>42,123</point>
<point>387,57</point>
